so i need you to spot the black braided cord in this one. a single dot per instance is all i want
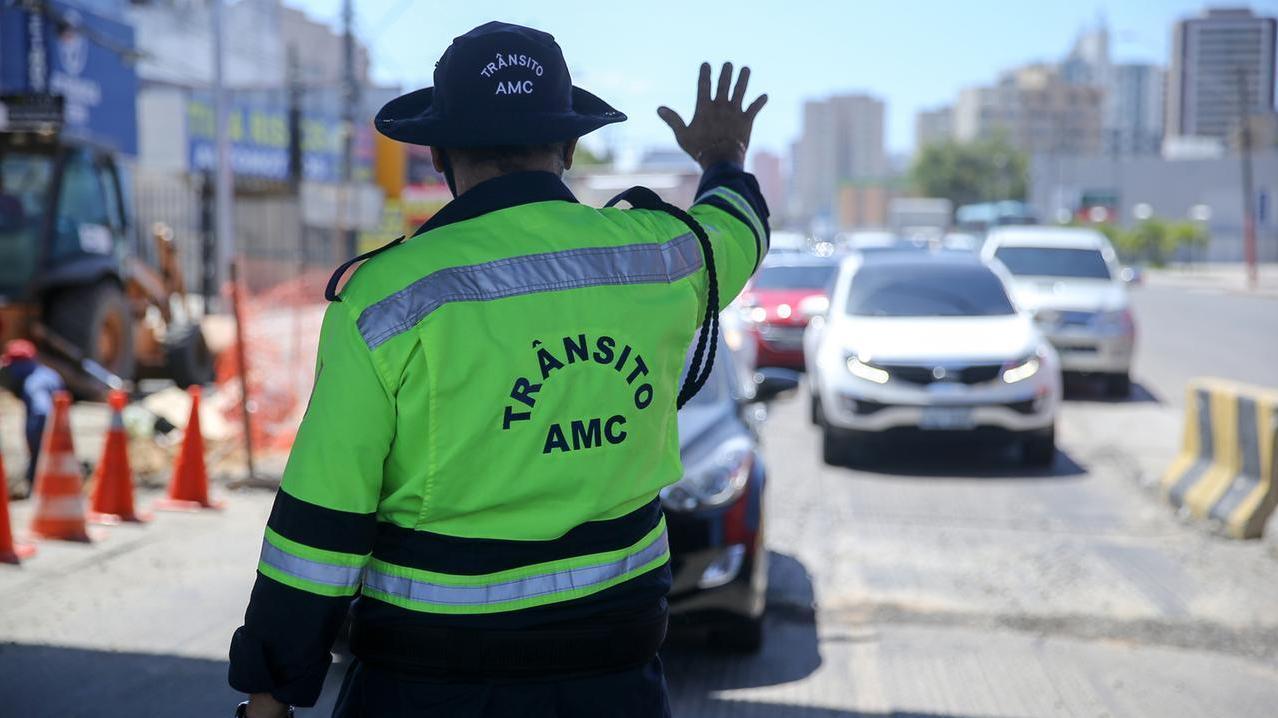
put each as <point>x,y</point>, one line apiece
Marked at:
<point>698,372</point>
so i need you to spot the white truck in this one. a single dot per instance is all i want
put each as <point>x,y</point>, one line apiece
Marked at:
<point>908,216</point>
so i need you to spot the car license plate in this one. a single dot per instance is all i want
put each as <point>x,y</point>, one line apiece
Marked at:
<point>947,418</point>
<point>786,337</point>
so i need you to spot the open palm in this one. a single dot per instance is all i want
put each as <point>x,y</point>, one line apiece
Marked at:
<point>720,126</point>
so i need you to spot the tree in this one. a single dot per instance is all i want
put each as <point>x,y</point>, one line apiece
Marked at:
<point>1155,241</point>
<point>1190,235</point>
<point>985,170</point>
<point>585,157</point>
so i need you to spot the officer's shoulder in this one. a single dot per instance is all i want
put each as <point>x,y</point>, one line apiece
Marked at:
<point>352,279</point>
<point>660,224</point>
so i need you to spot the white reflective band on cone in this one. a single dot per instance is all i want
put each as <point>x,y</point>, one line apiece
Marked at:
<point>63,464</point>
<point>62,507</point>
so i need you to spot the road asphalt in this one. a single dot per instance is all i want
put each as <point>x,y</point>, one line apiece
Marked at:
<point>938,581</point>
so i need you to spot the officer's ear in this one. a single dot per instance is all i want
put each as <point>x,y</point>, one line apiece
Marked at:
<point>437,159</point>
<point>569,148</point>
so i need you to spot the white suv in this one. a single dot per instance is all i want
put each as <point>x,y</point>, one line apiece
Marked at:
<point>1070,280</point>
<point>924,344</point>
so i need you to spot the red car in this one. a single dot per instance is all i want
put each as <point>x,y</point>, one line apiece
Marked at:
<point>771,308</point>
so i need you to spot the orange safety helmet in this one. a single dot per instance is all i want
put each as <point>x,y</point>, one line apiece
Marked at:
<point>17,350</point>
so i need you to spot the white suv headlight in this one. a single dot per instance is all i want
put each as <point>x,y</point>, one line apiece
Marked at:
<point>717,480</point>
<point>1021,370</point>
<point>869,372</point>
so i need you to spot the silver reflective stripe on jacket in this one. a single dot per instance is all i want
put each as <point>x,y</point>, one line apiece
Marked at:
<point>314,571</point>
<point>741,205</point>
<point>645,263</point>
<point>585,578</point>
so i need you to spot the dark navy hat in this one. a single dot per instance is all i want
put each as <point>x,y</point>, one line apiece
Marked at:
<point>498,84</point>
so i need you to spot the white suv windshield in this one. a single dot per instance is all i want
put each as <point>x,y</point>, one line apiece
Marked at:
<point>1054,262</point>
<point>926,289</point>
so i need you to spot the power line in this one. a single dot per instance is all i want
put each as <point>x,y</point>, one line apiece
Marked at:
<point>388,19</point>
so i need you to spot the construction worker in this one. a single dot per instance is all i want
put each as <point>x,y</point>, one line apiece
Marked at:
<point>35,384</point>
<point>494,414</point>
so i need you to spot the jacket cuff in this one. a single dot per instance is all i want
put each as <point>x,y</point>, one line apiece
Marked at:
<point>250,672</point>
<point>719,174</point>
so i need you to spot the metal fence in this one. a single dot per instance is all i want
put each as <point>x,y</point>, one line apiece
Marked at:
<point>272,240</point>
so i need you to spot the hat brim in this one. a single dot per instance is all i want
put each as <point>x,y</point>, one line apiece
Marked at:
<point>412,118</point>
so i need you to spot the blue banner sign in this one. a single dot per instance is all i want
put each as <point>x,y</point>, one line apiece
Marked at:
<point>80,56</point>
<point>257,126</point>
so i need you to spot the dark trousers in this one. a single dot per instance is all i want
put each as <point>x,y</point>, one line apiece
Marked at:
<point>369,692</point>
<point>35,431</point>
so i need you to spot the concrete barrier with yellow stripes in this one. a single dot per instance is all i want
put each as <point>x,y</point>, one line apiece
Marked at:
<point>1227,470</point>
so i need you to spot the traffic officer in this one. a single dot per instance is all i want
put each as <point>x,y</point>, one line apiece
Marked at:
<point>494,414</point>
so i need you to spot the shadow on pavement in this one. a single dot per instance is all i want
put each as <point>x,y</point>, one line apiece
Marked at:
<point>943,457</point>
<point>758,709</point>
<point>70,682</point>
<point>790,650</point>
<point>1092,390</point>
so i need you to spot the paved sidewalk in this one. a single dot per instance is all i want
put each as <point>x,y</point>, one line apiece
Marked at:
<point>137,623</point>
<point>1216,277</point>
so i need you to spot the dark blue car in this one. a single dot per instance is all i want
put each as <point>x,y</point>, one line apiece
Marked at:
<point>715,513</point>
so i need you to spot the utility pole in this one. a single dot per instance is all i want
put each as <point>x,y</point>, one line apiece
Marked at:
<point>1249,200</point>
<point>222,181</point>
<point>350,99</point>
<point>294,121</point>
<point>296,173</point>
<point>226,230</point>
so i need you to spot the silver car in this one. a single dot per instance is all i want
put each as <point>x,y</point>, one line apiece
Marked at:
<point>1070,280</point>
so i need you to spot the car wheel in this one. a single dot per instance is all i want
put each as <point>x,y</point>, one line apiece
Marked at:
<point>1118,386</point>
<point>96,319</point>
<point>834,446</point>
<point>743,635</point>
<point>859,449</point>
<point>814,409</point>
<point>1039,449</point>
<point>187,356</point>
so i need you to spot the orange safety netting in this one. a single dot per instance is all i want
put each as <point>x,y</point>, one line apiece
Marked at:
<point>281,332</point>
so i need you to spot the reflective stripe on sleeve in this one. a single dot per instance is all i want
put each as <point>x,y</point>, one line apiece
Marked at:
<point>742,206</point>
<point>645,263</point>
<point>515,589</point>
<point>327,573</point>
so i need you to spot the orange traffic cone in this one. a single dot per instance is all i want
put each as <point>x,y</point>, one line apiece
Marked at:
<point>59,485</point>
<point>189,487</point>
<point>10,550</point>
<point>112,499</point>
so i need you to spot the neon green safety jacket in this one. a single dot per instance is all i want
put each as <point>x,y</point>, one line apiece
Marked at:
<point>492,419</point>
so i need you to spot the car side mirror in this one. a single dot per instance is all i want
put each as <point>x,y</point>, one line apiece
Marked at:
<point>1132,275</point>
<point>770,383</point>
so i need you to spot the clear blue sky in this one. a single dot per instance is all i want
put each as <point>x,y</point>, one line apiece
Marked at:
<point>637,55</point>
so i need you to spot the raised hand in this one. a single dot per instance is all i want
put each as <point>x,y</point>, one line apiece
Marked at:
<point>720,127</point>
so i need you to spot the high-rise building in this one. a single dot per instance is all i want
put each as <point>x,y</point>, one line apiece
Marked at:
<point>842,141</point>
<point>1132,93</point>
<point>1222,68</point>
<point>767,168</point>
<point>1134,106</point>
<point>1088,61</point>
<point>319,48</point>
<point>1036,110</point>
<point>933,126</point>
